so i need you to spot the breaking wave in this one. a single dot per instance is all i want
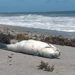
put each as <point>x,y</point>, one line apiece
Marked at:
<point>59,23</point>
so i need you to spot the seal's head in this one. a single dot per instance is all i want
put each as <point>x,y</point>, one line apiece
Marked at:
<point>56,54</point>
<point>51,52</point>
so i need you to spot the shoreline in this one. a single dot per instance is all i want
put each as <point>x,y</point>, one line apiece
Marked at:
<point>8,33</point>
<point>37,30</point>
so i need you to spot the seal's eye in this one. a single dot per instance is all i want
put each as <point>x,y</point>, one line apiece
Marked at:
<point>50,46</point>
<point>47,47</point>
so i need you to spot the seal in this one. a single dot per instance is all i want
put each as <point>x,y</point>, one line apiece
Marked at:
<point>34,47</point>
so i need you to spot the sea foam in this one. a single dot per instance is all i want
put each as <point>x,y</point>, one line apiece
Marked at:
<point>59,23</point>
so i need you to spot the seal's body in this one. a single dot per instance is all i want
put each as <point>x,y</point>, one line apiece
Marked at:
<point>35,47</point>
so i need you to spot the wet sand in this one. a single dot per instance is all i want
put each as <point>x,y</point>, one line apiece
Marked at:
<point>43,31</point>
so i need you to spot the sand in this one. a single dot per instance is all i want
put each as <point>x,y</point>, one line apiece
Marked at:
<point>12,63</point>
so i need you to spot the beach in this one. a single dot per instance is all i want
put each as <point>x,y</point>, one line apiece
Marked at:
<point>9,32</point>
<point>21,64</point>
<point>20,29</point>
<point>12,63</point>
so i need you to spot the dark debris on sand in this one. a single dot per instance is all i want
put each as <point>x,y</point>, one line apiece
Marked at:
<point>60,40</point>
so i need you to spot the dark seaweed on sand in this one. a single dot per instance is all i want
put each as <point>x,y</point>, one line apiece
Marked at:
<point>59,40</point>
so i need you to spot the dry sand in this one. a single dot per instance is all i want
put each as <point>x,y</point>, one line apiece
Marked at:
<point>12,63</point>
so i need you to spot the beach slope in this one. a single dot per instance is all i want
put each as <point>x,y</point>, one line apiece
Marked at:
<point>12,63</point>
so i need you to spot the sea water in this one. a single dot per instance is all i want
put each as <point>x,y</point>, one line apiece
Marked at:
<point>59,21</point>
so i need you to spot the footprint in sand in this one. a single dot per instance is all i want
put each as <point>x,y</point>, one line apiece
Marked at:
<point>10,58</point>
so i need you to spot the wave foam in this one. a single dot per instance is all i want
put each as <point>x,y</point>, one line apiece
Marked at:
<point>39,21</point>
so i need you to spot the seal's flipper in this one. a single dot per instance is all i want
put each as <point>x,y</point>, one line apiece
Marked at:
<point>3,46</point>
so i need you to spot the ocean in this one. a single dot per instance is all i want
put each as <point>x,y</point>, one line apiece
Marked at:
<point>58,21</point>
